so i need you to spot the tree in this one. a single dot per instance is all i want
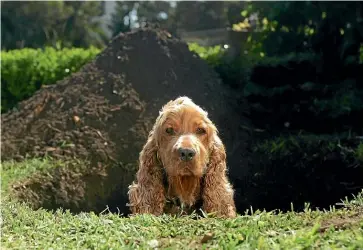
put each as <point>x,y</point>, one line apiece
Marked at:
<point>39,24</point>
<point>83,27</point>
<point>173,16</point>
<point>303,26</point>
<point>199,15</point>
<point>134,14</point>
<point>31,24</point>
<point>121,19</point>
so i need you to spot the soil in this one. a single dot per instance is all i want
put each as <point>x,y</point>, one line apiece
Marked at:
<point>103,114</point>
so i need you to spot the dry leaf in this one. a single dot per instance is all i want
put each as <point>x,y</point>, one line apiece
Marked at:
<point>207,237</point>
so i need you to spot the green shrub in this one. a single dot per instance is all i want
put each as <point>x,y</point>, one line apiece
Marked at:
<point>359,152</point>
<point>24,71</point>
<point>213,54</point>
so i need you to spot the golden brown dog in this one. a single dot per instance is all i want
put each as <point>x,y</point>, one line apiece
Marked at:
<point>184,149</point>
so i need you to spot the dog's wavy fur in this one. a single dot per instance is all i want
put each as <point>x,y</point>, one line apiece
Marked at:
<point>182,123</point>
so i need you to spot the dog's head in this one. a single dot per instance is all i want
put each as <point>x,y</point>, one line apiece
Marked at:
<point>184,136</point>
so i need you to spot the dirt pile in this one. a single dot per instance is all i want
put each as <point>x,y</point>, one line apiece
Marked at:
<point>103,113</point>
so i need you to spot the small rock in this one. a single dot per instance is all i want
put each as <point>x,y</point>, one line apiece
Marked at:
<point>153,243</point>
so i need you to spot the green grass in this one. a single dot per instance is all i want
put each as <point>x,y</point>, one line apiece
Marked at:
<point>24,228</point>
<point>12,170</point>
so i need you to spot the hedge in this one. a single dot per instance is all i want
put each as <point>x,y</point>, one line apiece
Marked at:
<point>24,71</point>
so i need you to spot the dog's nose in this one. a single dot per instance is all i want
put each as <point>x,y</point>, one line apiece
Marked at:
<point>186,154</point>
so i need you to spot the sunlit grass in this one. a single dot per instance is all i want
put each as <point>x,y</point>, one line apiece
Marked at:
<point>24,228</point>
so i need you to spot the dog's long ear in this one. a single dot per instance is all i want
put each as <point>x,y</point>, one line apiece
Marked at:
<point>148,156</point>
<point>218,192</point>
<point>217,158</point>
<point>148,194</point>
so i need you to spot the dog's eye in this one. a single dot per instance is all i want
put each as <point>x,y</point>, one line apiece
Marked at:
<point>201,131</point>
<point>170,131</point>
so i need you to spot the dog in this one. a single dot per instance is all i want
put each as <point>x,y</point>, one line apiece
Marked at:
<point>183,160</point>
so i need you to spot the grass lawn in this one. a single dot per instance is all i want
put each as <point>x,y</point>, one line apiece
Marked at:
<point>24,228</point>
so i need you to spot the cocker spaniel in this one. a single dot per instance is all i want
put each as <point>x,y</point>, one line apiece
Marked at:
<point>185,160</point>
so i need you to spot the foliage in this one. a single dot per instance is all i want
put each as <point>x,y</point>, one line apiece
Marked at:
<point>27,70</point>
<point>83,27</point>
<point>213,54</point>
<point>302,26</point>
<point>359,152</point>
<point>292,74</point>
<point>39,24</point>
<point>344,101</point>
<point>283,146</point>
<point>201,15</point>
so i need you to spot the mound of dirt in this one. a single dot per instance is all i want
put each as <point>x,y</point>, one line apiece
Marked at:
<point>103,113</point>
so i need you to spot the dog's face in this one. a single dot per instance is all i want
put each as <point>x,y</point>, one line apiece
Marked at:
<point>184,135</point>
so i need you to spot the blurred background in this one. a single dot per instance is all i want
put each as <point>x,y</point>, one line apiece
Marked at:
<point>86,23</point>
